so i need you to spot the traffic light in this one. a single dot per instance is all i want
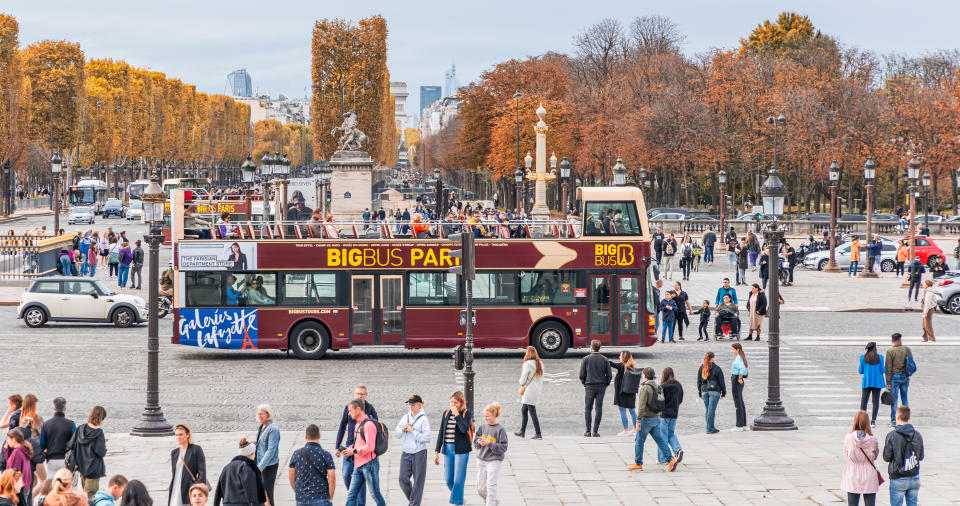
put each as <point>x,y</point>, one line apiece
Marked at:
<point>465,254</point>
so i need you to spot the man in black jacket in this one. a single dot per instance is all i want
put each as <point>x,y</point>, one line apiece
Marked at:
<point>54,436</point>
<point>240,482</point>
<point>709,239</point>
<point>595,375</point>
<point>903,449</point>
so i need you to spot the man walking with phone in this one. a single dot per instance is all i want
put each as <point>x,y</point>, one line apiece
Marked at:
<point>414,429</point>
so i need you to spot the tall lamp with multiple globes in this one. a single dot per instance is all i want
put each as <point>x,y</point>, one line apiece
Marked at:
<point>565,184</point>
<point>774,416</point>
<point>518,179</point>
<point>56,164</point>
<point>834,173</point>
<point>869,173</point>
<point>248,171</point>
<point>266,175</point>
<point>152,421</point>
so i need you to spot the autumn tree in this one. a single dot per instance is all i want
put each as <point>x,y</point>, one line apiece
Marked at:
<point>14,102</point>
<point>54,70</point>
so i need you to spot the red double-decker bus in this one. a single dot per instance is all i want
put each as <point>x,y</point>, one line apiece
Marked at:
<point>555,291</point>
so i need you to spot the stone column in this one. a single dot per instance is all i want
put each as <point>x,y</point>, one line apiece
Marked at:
<point>540,210</point>
<point>351,184</point>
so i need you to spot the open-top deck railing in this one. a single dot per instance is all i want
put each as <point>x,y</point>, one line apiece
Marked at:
<point>532,229</point>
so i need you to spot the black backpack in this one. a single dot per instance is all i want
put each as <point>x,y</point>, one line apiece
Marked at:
<point>656,402</point>
<point>630,383</point>
<point>383,437</point>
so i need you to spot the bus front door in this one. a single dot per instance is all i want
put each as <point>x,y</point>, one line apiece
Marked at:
<point>601,314</point>
<point>390,310</point>
<point>628,314</point>
<point>362,309</point>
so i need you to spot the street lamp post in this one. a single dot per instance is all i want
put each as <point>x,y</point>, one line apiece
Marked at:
<point>248,170</point>
<point>834,172</point>
<point>956,188</point>
<point>565,184</point>
<point>926,203</point>
<point>528,163</point>
<point>56,164</point>
<point>152,421</point>
<point>266,171</point>
<point>869,172</point>
<point>516,100</point>
<point>284,172</point>
<point>518,179</point>
<point>774,416</point>
<point>913,174</point>
<point>722,179</point>
<point>325,183</point>
<point>619,173</point>
<point>438,193</point>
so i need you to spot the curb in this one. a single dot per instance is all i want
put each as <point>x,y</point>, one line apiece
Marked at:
<point>11,219</point>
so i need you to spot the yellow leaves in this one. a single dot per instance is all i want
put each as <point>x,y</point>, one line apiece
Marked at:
<point>55,72</point>
<point>789,31</point>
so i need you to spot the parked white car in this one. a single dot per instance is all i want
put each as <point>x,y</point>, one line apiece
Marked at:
<point>134,210</point>
<point>818,259</point>
<point>75,299</point>
<point>80,215</point>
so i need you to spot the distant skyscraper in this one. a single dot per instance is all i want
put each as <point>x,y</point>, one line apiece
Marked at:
<point>450,84</point>
<point>428,95</point>
<point>239,83</point>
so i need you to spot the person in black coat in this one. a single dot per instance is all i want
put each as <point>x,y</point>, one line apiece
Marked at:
<point>90,446</point>
<point>595,376</point>
<point>192,469</point>
<point>711,388</point>
<point>757,306</point>
<point>672,398</point>
<point>240,483</point>
<point>238,259</point>
<point>625,401</point>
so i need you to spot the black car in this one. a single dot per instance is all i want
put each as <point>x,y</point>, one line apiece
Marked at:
<point>113,207</point>
<point>817,217</point>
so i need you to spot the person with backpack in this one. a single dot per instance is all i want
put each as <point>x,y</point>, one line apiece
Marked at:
<point>743,252</point>
<point>650,405</point>
<point>136,267</point>
<point>345,434</point>
<point>240,480</point>
<point>454,440</point>
<point>86,449</point>
<point>899,366</point>
<point>125,256</point>
<point>903,449</point>
<point>626,384</point>
<point>312,474</point>
<point>491,445</point>
<point>871,368</point>
<point>113,258</point>
<point>531,385</point>
<point>711,388</point>
<point>914,275</point>
<point>669,251</point>
<point>738,371</point>
<point>366,466</point>
<point>860,475</point>
<point>268,449</point>
<point>672,398</point>
<point>414,429</point>
<point>686,256</point>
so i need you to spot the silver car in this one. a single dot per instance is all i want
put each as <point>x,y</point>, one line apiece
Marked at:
<point>947,291</point>
<point>80,215</point>
<point>818,259</point>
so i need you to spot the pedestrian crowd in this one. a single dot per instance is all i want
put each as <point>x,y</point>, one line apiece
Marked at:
<point>112,250</point>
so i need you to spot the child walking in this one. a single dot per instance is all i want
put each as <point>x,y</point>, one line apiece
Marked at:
<point>491,441</point>
<point>704,329</point>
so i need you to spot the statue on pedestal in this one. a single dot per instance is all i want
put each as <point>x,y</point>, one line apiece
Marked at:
<point>350,137</point>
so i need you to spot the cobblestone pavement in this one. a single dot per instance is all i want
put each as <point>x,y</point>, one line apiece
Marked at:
<point>798,467</point>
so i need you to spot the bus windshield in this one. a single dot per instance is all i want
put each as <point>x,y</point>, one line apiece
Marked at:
<point>136,190</point>
<point>80,196</point>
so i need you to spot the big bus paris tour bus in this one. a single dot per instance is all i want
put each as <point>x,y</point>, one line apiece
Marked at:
<point>295,287</point>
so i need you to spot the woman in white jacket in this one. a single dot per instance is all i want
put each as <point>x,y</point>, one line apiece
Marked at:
<point>531,384</point>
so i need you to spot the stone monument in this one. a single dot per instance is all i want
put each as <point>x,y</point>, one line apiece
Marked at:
<point>351,184</point>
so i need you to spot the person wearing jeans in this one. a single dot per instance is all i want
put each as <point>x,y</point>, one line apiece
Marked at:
<point>344,439</point>
<point>896,374</point>
<point>453,440</point>
<point>738,371</point>
<point>672,398</point>
<point>595,376</point>
<point>649,422</point>
<point>126,256</point>
<point>854,257</point>
<point>366,466</point>
<point>712,388</point>
<point>903,449</point>
<point>625,401</point>
<point>668,314</point>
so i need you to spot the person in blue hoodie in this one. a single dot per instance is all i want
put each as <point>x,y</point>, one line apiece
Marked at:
<point>903,449</point>
<point>668,310</point>
<point>871,368</point>
<point>113,493</point>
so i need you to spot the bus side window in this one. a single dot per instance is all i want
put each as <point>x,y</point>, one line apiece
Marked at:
<point>494,287</point>
<point>203,289</point>
<point>547,287</point>
<point>433,288</point>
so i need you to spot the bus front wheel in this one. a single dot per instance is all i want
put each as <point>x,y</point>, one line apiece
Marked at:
<point>309,340</point>
<point>551,339</point>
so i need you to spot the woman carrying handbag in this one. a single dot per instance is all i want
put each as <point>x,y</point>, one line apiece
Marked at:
<point>531,385</point>
<point>860,475</point>
<point>189,467</point>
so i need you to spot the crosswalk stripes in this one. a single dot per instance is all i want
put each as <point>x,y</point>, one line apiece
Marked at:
<point>909,340</point>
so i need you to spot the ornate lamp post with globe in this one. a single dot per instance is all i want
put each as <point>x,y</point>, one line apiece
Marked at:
<point>518,179</point>
<point>869,173</point>
<point>56,164</point>
<point>619,173</point>
<point>565,184</point>
<point>834,173</point>
<point>152,421</point>
<point>774,416</point>
<point>248,170</point>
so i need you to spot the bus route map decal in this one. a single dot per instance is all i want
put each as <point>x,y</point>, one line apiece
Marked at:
<point>222,328</point>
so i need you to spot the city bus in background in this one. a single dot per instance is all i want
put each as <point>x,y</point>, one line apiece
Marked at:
<point>90,193</point>
<point>135,189</point>
<point>192,183</point>
<point>268,289</point>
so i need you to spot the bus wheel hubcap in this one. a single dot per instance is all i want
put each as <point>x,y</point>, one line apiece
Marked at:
<point>550,340</point>
<point>309,341</point>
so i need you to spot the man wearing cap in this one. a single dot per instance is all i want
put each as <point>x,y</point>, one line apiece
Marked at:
<point>414,429</point>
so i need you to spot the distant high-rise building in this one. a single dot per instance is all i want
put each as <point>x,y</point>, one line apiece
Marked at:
<point>429,95</point>
<point>239,83</point>
<point>450,83</point>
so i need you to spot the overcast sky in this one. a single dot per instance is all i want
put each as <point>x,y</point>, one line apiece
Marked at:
<point>201,41</point>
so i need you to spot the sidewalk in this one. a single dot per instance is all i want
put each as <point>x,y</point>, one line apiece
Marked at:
<point>796,467</point>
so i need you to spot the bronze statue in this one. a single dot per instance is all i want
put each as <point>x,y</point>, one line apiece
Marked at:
<point>351,138</point>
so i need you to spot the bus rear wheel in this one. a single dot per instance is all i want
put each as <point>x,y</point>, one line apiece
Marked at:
<point>309,340</point>
<point>551,339</point>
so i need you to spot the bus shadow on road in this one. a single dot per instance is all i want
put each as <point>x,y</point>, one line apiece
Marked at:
<point>391,354</point>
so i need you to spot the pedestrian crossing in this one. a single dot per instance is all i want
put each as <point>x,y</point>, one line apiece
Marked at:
<point>909,340</point>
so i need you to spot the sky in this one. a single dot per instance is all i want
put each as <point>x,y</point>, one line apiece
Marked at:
<point>201,41</point>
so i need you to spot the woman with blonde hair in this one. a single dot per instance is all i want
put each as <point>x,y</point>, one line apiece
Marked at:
<point>531,385</point>
<point>189,467</point>
<point>199,494</point>
<point>268,449</point>
<point>11,487</point>
<point>29,410</point>
<point>625,401</point>
<point>491,445</point>
<point>62,495</point>
<point>860,476</point>
<point>738,371</point>
<point>928,306</point>
<point>455,441</point>
<point>711,388</point>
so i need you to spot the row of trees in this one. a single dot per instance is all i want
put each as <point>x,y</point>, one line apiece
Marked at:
<point>294,139</point>
<point>631,92</point>
<point>349,69</point>
<point>107,113</point>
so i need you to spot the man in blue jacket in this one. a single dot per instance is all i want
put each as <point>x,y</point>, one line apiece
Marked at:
<point>726,290</point>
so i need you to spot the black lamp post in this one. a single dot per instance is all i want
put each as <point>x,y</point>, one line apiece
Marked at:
<point>869,172</point>
<point>248,170</point>
<point>834,173</point>
<point>774,416</point>
<point>926,202</point>
<point>438,193</point>
<point>56,164</point>
<point>565,183</point>
<point>722,179</point>
<point>516,100</point>
<point>518,179</point>
<point>152,421</point>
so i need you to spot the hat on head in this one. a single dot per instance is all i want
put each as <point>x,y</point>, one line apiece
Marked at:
<point>871,345</point>
<point>247,448</point>
<point>414,399</point>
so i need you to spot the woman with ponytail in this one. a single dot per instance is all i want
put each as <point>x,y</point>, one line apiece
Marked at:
<point>738,371</point>
<point>491,443</point>
<point>711,388</point>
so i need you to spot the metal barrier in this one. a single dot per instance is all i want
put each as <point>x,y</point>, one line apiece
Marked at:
<point>34,203</point>
<point>30,256</point>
